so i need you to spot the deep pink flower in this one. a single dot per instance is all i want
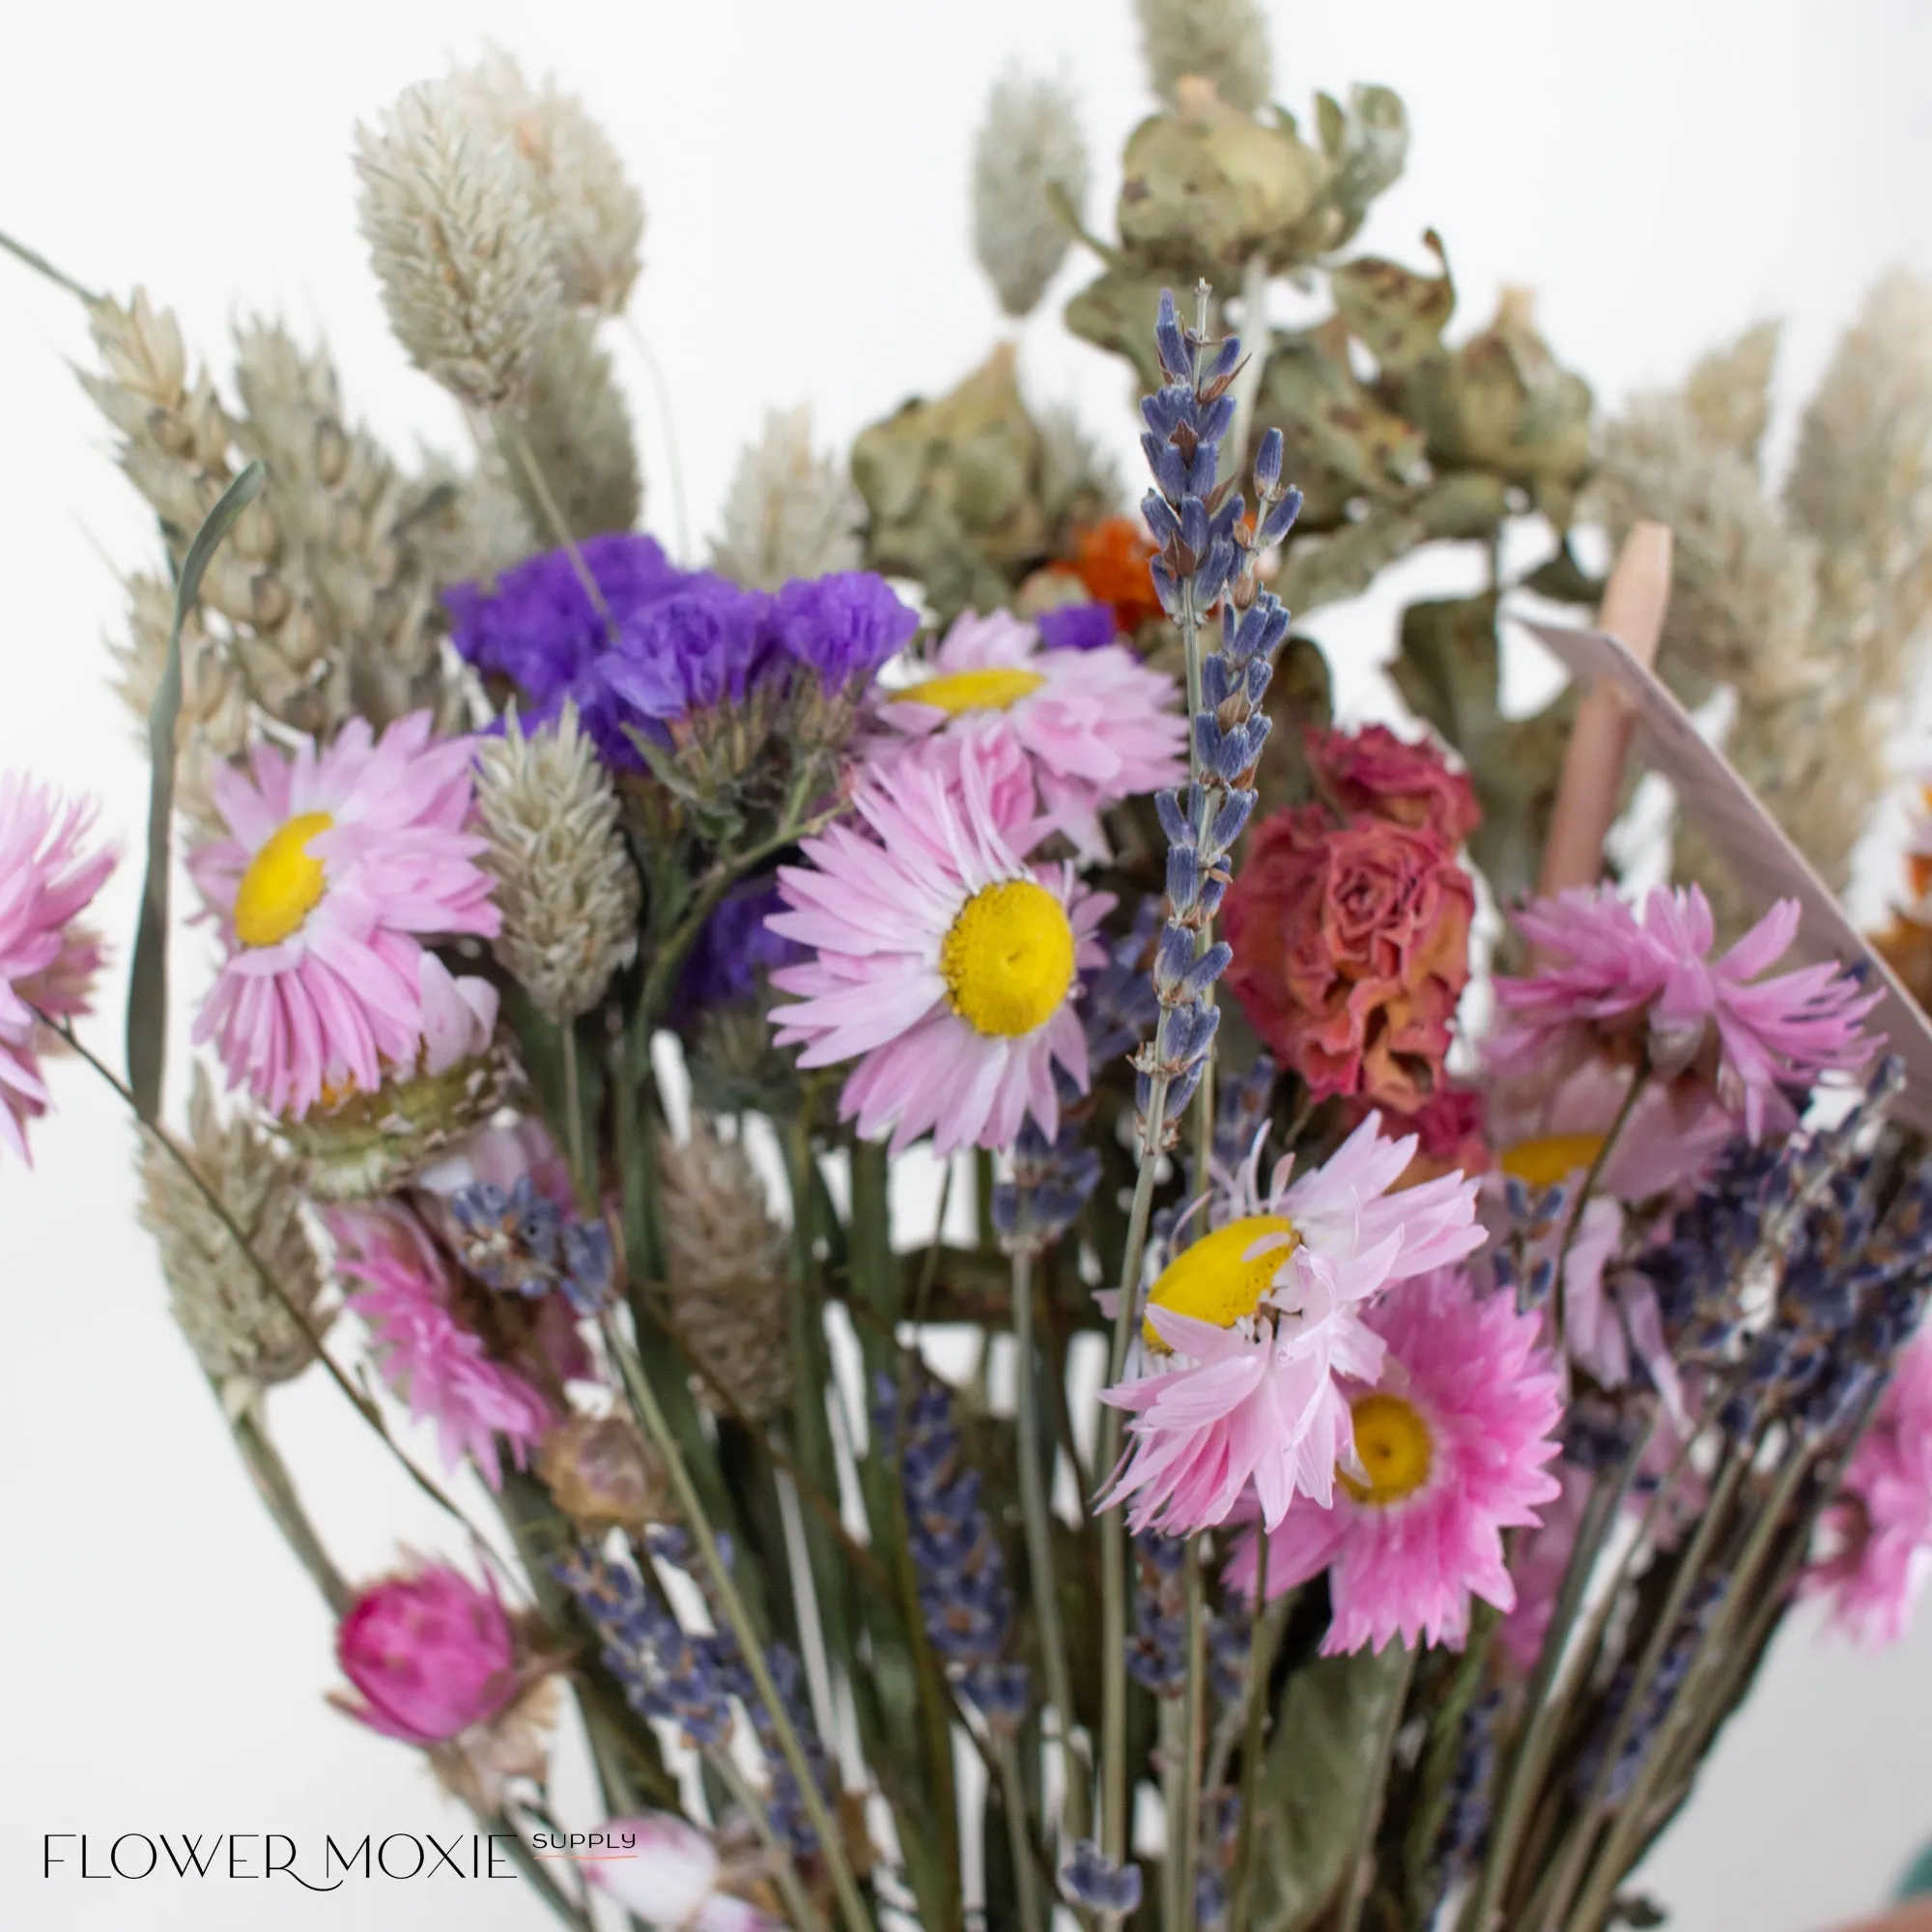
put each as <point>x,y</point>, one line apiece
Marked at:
<point>342,863</point>
<point>1249,1326</point>
<point>1099,726</point>
<point>1449,1450</point>
<point>1351,949</point>
<point>47,961</point>
<point>1608,973</point>
<point>941,961</point>
<point>442,1369</point>
<point>431,1654</point>
<point>1878,1534</point>
<point>1374,774</point>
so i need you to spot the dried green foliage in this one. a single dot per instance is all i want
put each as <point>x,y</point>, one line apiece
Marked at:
<point>954,489</point>
<point>1449,671</point>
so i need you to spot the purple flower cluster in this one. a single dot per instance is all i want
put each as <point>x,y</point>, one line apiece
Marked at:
<point>678,642</point>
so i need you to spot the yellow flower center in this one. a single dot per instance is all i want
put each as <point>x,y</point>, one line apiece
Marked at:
<point>992,690</point>
<point>1215,1279</point>
<point>282,885</point>
<point>1544,1161</point>
<point>1007,958</point>
<point>1393,1441</point>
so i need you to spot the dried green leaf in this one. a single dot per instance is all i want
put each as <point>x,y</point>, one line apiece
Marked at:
<point>1340,440</point>
<point>1205,189</point>
<point>1370,153</point>
<point>1449,671</point>
<point>1319,1778</point>
<point>1117,312</point>
<point>148,979</point>
<point>1396,314</point>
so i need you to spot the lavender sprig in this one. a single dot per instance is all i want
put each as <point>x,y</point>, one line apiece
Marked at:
<point>1205,556</point>
<point>518,1242</point>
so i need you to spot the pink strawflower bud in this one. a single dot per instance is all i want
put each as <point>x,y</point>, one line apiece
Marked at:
<point>47,961</point>
<point>432,1654</point>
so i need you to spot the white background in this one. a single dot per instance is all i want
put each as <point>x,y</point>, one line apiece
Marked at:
<point>1664,172</point>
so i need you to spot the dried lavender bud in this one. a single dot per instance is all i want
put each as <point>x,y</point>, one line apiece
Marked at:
<point>564,881</point>
<point>244,1336</point>
<point>1030,145</point>
<point>1222,41</point>
<point>458,244</point>
<point>790,512</point>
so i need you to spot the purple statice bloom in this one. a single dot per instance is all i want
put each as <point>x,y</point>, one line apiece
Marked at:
<point>734,948</point>
<point>843,626</point>
<point>537,627</point>
<point>708,643</point>
<point>1077,627</point>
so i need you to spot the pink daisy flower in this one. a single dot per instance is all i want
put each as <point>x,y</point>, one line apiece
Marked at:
<point>342,863</point>
<point>442,1369</point>
<point>1248,1327</point>
<point>1878,1534</point>
<point>47,961</point>
<point>1099,726</point>
<point>943,964</point>
<point>1449,1452</point>
<point>1605,970</point>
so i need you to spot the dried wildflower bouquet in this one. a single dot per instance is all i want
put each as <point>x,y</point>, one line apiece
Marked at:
<point>1387,1451</point>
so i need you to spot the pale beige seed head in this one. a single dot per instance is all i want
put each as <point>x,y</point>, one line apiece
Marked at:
<point>458,244</point>
<point>1029,147</point>
<point>790,512</point>
<point>1224,42</point>
<point>565,884</point>
<point>243,1335</point>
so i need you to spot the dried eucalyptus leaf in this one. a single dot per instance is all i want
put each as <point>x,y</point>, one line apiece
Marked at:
<point>1371,151</point>
<point>1205,189</point>
<point>1504,403</point>
<point>1116,311</point>
<point>1397,314</point>
<point>1564,580</point>
<point>1317,1780</point>
<point>953,490</point>
<point>1333,427</point>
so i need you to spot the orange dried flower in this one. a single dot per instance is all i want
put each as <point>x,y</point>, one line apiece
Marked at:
<point>1111,559</point>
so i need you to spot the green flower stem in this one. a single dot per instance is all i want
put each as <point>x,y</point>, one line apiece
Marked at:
<point>277,1491</point>
<point>582,1175</point>
<point>1638,1080</point>
<point>1012,1802</point>
<point>1524,1779</point>
<point>512,433</point>
<point>651,1418</point>
<point>1036,1509</point>
<point>1357,1874</point>
<point>40,266</point>
<point>1173,1803</point>
<point>1113,1525</point>
<point>1618,1852</point>
<point>1268,1626</point>
<point>1567,1872</point>
<point>673,469</point>
<point>1194,1705</point>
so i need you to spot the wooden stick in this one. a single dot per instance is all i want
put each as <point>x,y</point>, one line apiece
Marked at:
<point>1635,601</point>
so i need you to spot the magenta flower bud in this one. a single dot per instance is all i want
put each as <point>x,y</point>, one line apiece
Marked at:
<point>431,1654</point>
